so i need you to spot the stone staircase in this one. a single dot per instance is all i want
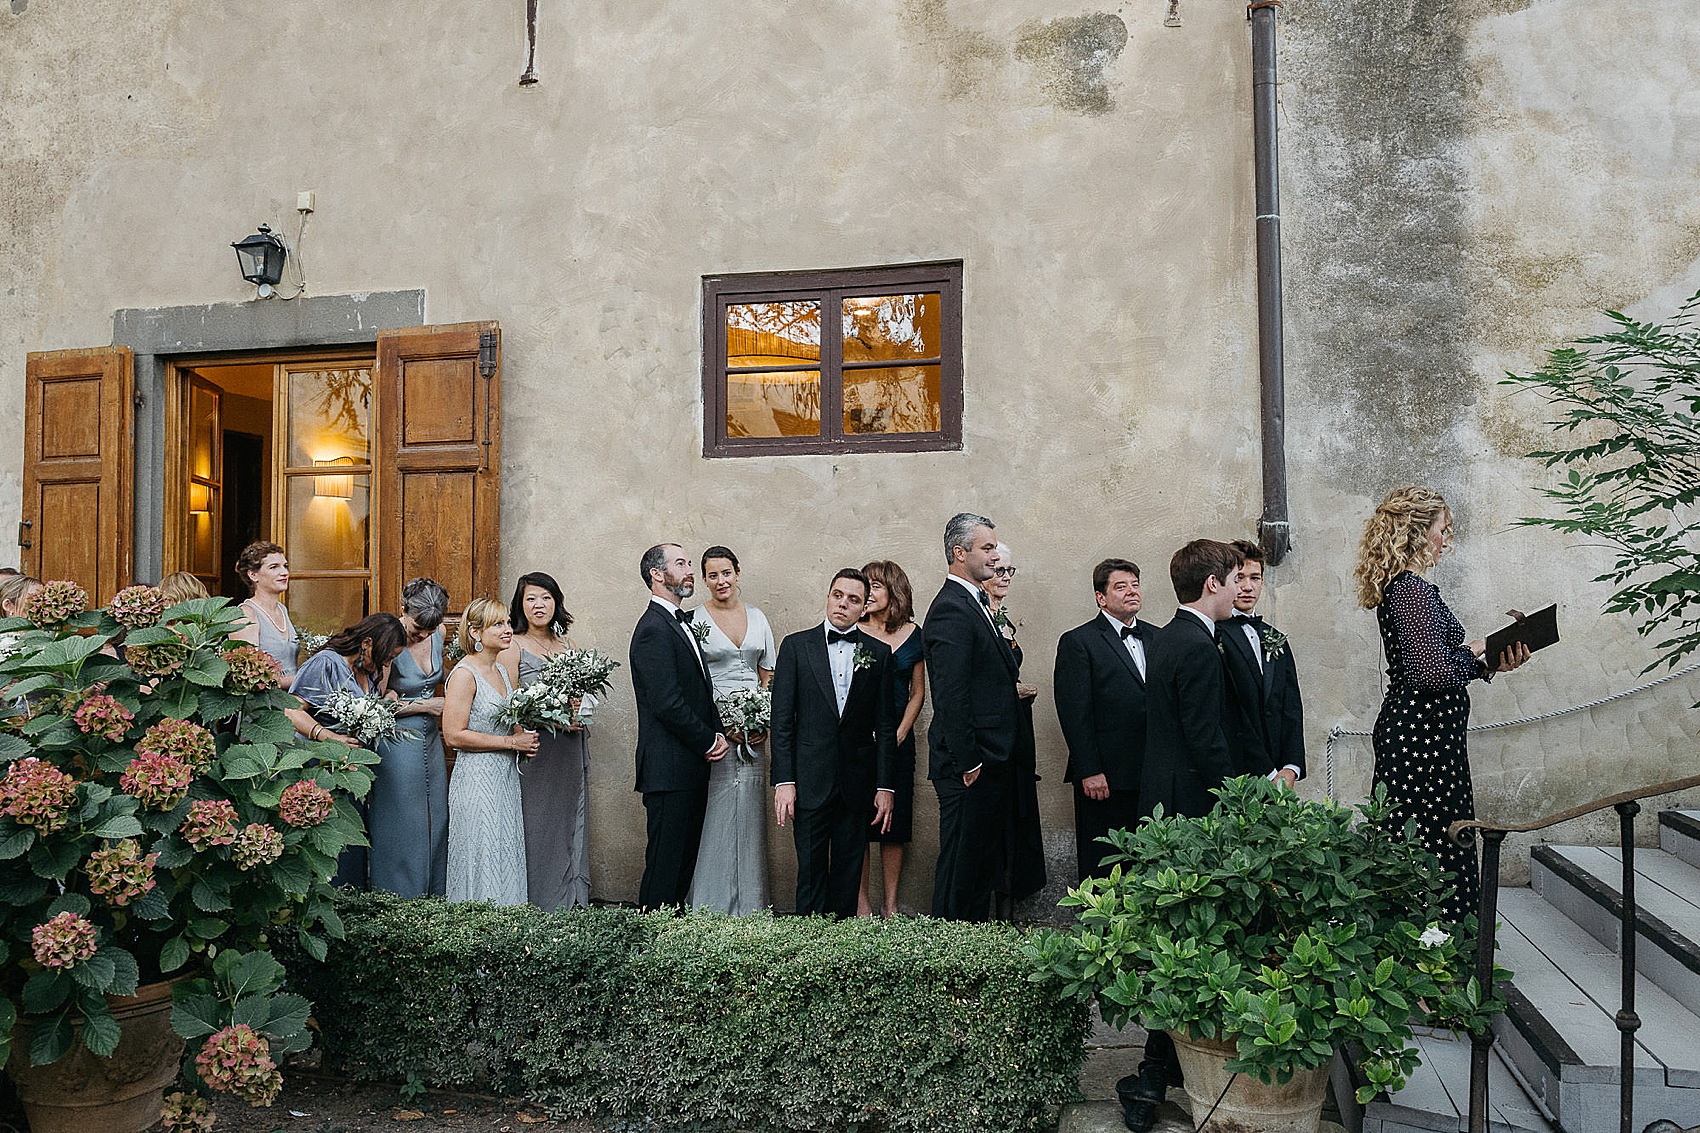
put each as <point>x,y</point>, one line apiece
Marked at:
<point>1555,1062</point>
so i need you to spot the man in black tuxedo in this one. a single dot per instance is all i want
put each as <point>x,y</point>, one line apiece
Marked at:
<point>834,747</point>
<point>679,729</point>
<point>1188,745</point>
<point>973,735</point>
<point>1263,679</point>
<point>1100,690</point>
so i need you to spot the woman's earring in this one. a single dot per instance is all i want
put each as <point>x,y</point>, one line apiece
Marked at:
<point>478,647</point>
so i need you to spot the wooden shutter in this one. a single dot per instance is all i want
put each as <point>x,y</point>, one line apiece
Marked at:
<point>437,462</point>
<point>79,467</point>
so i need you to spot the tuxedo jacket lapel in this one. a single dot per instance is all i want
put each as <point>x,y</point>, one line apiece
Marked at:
<point>820,666</point>
<point>1113,641</point>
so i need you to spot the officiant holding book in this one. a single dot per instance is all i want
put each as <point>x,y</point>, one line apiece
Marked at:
<point>1420,735</point>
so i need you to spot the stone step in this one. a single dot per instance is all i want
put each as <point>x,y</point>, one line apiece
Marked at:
<point>1679,834</point>
<point>1586,884</point>
<point>1436,1097</point>
<point>1559,1029</point>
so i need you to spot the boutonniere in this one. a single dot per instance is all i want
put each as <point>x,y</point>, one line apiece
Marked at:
<point>1005,627</point>
<point>699,630</point>
<point>863,658</point>
<point>1274,641</point>
<point>1220,648</point>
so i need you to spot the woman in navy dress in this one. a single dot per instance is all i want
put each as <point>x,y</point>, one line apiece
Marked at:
<point>409,804</point>
<point>1421,743</point>
<point>890,617</point>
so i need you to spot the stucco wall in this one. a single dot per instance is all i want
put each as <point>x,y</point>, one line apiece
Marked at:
<point>1457,178</point>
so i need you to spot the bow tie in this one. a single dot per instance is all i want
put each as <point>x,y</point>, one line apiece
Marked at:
<point>683,615</point>
<point>1242,619</point>
<point>1130,631</point>
<point>833,637</point>
<point>985,600</point>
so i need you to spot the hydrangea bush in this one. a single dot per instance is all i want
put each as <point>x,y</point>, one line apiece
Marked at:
<point>159,818</point>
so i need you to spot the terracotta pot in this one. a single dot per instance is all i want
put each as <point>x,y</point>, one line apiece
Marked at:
<point>121,1093</point>
<point>1246,1105</point>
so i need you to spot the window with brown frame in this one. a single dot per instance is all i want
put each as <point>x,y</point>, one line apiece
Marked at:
<point>853,360</point>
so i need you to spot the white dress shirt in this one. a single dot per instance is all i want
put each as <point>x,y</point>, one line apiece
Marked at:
<point>1134,646</point>
<point>841,657</point>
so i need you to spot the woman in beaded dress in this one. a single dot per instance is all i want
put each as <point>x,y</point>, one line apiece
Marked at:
<point>890,618</point>
<point>265,569</point>
<point>408,809</point>
<point>1421,749</point>
<point>486,831</point>
<point>738,647</point>
<point>554,785</point>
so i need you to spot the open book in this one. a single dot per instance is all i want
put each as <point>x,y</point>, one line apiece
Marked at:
<point>1537,630</point>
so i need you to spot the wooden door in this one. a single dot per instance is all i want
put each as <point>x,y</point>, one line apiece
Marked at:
<point>203,527</point>
<point>438,458</point>
<point>79,468</point>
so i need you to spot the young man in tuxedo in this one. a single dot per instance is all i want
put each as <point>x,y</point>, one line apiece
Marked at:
<point>1263,680</point>
<point>1100,689</point>
<point>834,747</point>
<point>1188,749</point>
<point>679,729</point>
<point>972,738</point>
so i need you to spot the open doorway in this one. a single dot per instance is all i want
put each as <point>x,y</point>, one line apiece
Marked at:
<point>276,448</point>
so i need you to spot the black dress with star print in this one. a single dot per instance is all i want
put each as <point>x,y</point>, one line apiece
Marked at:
<point>1420,750</point>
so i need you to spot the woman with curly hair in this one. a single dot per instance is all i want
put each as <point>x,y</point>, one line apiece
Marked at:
<point>1420,738</point>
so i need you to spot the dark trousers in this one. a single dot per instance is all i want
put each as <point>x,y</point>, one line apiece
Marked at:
<point>1094,818</point>
<point>831,840</point>
<point>670,858</point>
<point>973,831</point>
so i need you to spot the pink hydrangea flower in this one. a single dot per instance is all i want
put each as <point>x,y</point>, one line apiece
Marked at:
<point>38,794</point>
<point>252,669</point>
<point>121,872</point>
<point>182,740</point>
<point>101,715</point>
<point>158,781</point>
<point>161,659</point>
<point>305,803</point>
<point>137,607</point>
<point>64,941</point>
<point>238,1061</point>
<point>211,822</point>
<point>186,1113</point>
<point>56,603</point>
<point>257,845</point>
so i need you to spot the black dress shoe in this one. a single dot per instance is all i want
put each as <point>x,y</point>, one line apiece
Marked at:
<point>1140,1094</point>
<point>1139,1116</point>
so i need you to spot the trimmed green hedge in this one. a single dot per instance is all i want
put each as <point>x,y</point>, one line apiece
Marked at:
<point>701,1022</point>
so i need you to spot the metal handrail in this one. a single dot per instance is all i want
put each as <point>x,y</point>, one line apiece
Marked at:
<point>1464,833</point>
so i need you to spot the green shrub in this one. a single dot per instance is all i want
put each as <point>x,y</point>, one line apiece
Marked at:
<point>703,1022</point>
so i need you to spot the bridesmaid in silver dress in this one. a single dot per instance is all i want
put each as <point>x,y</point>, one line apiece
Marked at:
<point>552,786</point>
<point>265,569</point>
<point>737,644</point>
<point>486,836</point>
<point>409,805</point>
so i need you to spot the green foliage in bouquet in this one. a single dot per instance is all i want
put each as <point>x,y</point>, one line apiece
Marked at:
<point>1281,925</point>
<point>159,818</point>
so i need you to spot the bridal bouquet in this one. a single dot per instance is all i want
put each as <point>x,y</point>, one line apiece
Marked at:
<point>367,719</point>
<point>579,672</point>
<point>751,711</point>
<point>538,707</point>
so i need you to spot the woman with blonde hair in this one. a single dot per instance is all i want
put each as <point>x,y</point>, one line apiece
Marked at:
<point>181,586</point>
<point>1420,737</point>
<point>486,857</point>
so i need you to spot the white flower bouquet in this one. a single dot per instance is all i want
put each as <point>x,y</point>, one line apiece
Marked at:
<point>538,707</point>
<point>579,672</point>
<point>366,719</point>
<point>749,710</point>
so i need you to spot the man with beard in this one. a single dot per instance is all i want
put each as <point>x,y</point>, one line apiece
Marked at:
<point>679,729</point>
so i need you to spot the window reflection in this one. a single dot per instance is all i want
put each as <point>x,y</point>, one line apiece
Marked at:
<point>892,400</point>
<point>883,328</point>
<point>329,411</point>
<point>773,405</point>
<point>892,328</point>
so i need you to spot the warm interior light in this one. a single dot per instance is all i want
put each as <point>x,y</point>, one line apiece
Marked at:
<point>200,499</point>
<point>334,487</point>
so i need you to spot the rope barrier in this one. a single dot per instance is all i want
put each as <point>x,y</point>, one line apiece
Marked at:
<point>1336,732</point>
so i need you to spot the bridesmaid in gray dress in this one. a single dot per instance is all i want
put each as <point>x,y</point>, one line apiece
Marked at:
<point>486,837</point>
<point>265,569</point>
<point>554,785</point>
<point>737,644</point>
<point>408,818</point>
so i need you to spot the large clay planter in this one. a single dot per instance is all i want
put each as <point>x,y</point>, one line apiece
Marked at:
<point>1248,1106</point>
<point>122,1093</point>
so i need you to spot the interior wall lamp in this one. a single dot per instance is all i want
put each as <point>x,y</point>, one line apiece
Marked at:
<point>333,487</point>
<point>261,258</point>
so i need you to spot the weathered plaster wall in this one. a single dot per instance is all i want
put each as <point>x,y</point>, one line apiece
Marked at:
<point>1464,184</point>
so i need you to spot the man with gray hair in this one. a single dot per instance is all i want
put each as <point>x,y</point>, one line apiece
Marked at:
<point>971,743</point>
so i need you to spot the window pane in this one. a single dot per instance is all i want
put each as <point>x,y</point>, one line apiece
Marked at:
<point>773,405</point>
<point>326,605</point>
<point>881,328</point>
<point>328,530</point>
<point>328,412</point>
<point>783,333</point>
<point>203,433</point>
<point>204,515</point>
<point>895,399</point>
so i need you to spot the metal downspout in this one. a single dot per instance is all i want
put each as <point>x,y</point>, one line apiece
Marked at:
<point>1274,531</point>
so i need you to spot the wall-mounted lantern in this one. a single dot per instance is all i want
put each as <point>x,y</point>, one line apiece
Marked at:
<point>261,257</point>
